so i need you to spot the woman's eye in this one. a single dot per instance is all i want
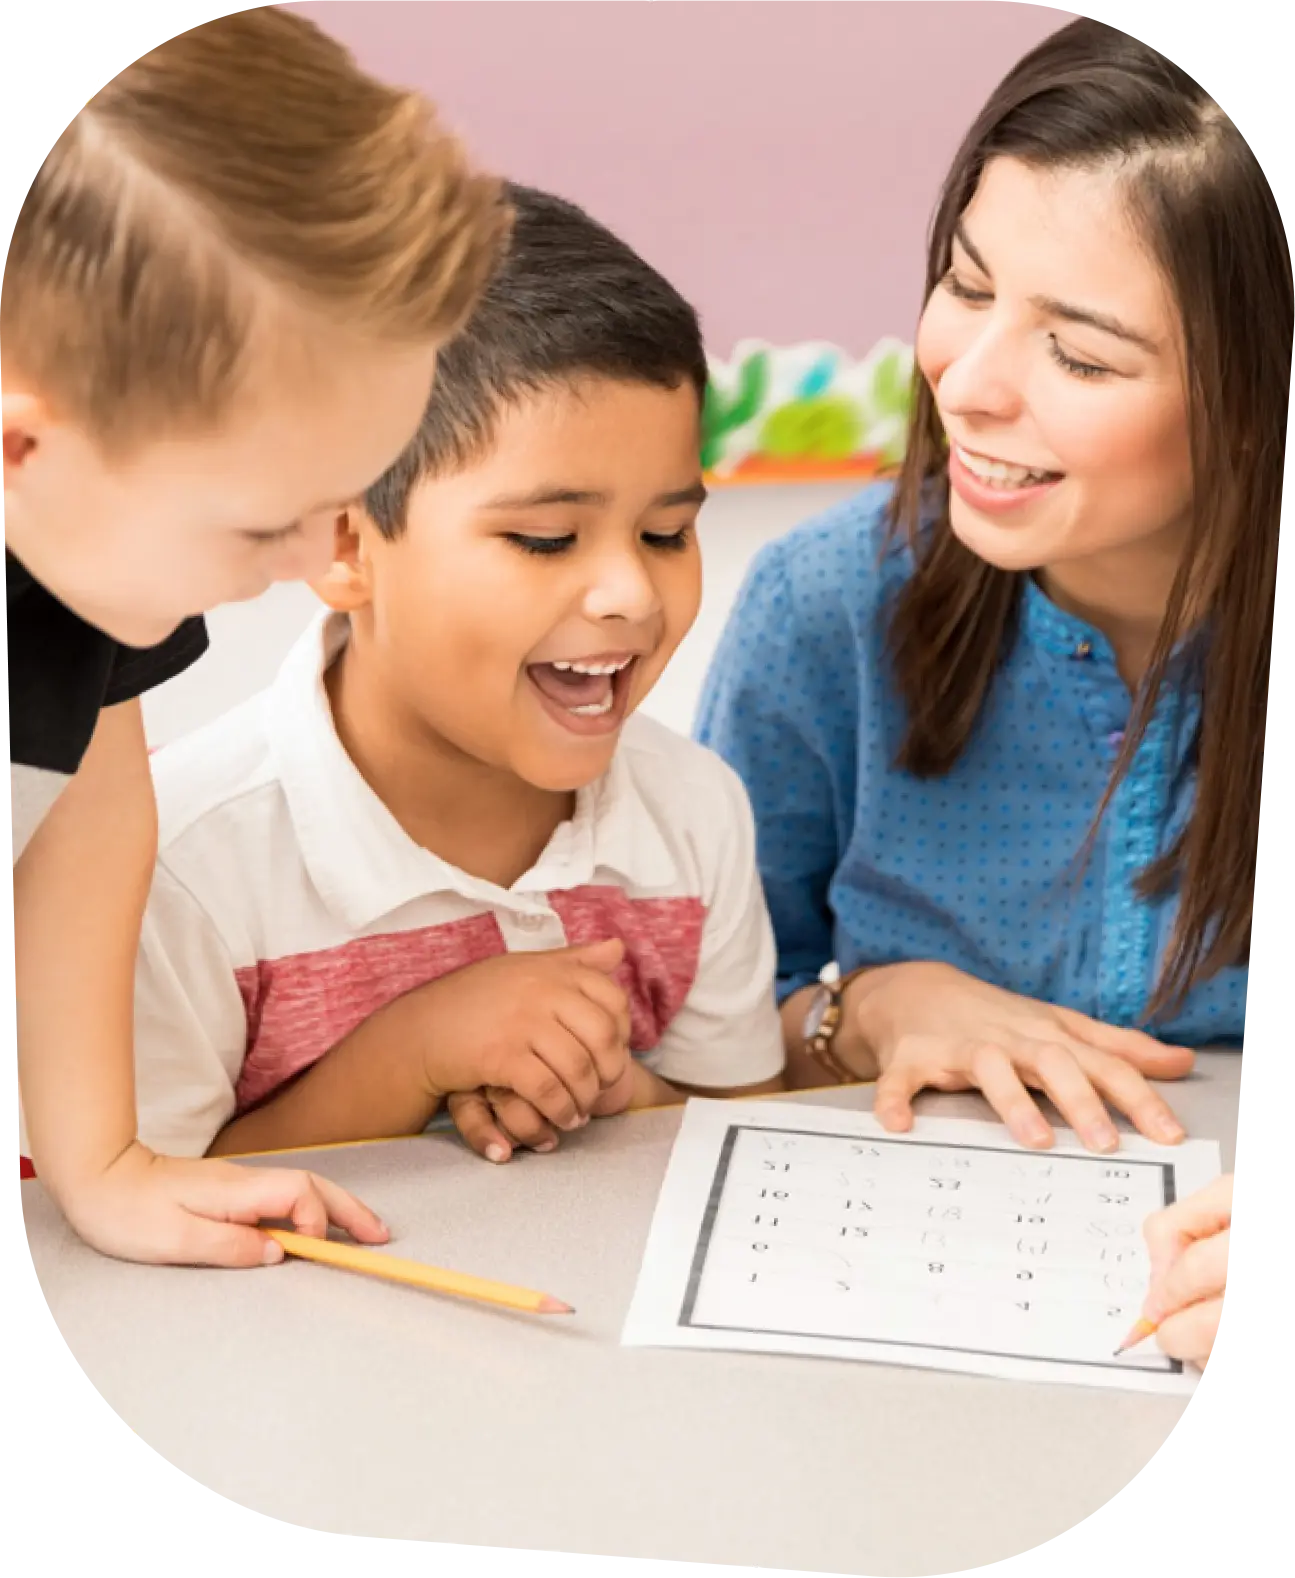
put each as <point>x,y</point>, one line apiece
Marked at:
<point>540,545</point>
<point>961,290</point>
<point>1072,365</point>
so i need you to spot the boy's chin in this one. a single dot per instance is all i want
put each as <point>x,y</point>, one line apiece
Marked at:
<point>565,771</point>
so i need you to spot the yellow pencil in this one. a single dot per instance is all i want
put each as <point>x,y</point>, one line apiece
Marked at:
<point>375,1264</point>
<point>1140,1331</point>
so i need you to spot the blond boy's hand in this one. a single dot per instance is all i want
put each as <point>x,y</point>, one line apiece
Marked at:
<point>550,1028</point>
<point>496,1122</point>
<point>164,1210</point>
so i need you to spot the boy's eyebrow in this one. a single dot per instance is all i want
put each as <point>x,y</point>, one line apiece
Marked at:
<point>538,498</point>
<point>1062,309</point>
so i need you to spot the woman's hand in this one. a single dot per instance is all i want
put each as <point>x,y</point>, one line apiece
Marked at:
<point>1188,1245</point>
<point>928,1024</point>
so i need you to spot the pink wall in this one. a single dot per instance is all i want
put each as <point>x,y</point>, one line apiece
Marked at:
<point>777,160</point>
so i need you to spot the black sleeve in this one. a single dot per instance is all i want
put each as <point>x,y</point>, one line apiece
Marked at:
<point>63,672</point>
<point>137,669</point>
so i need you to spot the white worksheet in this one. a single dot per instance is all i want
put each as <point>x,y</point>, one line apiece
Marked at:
<point>796,1229</point>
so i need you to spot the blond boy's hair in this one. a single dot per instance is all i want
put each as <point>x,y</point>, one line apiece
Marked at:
<point>248,152</point>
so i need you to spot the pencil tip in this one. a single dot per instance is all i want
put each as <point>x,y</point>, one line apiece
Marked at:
<point>551,1306</point>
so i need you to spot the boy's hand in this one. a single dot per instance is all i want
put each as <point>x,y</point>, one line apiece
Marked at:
<point>551,1028</point>
<point>927,1024</point>
<point>495,1122</point>
<point>165,1210</point>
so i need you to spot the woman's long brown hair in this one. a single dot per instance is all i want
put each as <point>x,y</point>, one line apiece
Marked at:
<point>1092,97</point>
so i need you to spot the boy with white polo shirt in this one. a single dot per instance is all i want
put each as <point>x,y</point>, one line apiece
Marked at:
<point>439,863</point>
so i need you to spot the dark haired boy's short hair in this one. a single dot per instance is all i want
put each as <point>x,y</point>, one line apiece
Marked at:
<point>569,300</point>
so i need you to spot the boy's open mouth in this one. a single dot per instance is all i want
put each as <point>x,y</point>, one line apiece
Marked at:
<point>587,696</point>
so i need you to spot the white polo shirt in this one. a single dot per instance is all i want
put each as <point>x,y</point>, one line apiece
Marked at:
<point>289,906</point>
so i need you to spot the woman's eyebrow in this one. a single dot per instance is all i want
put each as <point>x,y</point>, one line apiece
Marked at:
<point>1054,308</point>
<point>1094,320</point>
<point>964,241</point>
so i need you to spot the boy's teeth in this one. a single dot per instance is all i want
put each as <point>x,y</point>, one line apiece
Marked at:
<point>596,709</point>
<point>592,668</point>
<point>998,472</point>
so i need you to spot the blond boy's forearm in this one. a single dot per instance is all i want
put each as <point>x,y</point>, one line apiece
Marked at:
<point>79,894</point>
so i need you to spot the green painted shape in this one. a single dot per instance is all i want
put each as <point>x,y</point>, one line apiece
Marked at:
<point>892,387</point>
<point>721,413</point>
<point>828,427</point>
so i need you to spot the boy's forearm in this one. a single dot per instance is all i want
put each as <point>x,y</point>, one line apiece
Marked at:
<point>650,1090</point>
<point>79,894</point>
<point>370,1086</point>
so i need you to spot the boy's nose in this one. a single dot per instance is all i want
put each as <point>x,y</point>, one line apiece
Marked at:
<point>622,589</point>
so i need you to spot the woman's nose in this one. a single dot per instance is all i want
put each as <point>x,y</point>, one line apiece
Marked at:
<point>982,379</point>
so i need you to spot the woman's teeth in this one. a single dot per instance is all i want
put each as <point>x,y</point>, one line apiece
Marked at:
<point>998,474</point>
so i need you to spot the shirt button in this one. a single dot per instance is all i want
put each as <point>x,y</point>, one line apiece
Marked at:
<point>1084,649</point>
<point>532,922</point>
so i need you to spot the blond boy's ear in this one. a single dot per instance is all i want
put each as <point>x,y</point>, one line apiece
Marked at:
<point>346,585</point>
<point>24,416</point>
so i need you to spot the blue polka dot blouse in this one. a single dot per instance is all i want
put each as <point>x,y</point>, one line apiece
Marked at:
<point>863,863</point>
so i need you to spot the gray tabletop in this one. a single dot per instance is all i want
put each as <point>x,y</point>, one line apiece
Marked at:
<point>360,1407</point>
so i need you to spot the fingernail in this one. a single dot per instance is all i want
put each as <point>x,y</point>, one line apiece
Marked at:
<point>272,1254</point>
<point>1167,1129</point>
<point>547,1145</point>
<point>1037,1132</point>
<point>496,1153</point>
<point>1103,1138</point>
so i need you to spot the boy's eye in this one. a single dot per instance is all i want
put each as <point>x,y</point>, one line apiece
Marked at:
<point>664,542</point>
<point>541,545</point>
<point>277,534</point>
<point>669,542</point>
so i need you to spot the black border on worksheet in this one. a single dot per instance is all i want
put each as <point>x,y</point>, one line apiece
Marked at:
<point>1174,1366</point>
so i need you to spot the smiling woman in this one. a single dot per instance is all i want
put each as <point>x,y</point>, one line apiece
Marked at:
<point>1003,723</point>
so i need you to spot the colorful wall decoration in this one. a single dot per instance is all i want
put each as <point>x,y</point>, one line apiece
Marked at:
<point>805,413</point>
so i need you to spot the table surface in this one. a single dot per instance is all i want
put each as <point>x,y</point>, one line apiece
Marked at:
<point>347,1404</point>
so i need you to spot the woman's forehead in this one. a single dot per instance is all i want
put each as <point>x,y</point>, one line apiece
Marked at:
<point>1068,234</point>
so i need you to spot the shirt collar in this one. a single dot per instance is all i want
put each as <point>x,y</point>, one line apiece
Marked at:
<point>1063,635</point>
<point>363,863</point>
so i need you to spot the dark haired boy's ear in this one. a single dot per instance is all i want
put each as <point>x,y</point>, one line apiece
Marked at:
<point>346,586</point>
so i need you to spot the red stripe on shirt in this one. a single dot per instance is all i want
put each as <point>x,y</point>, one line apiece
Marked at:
<point>662,940</point>
<point>299,1007</point>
